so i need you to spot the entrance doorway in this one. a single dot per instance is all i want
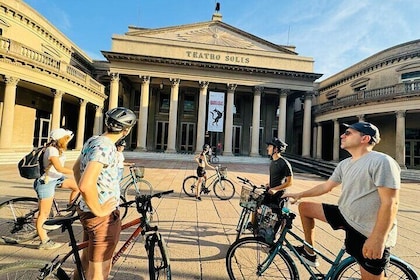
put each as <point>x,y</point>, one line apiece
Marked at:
<point>236,139</point>
<point>412,154</point>
<point>188,133</point>
<point>161,139</point>
<point>42,134</point>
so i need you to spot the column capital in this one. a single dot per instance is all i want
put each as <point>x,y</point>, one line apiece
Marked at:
<point>203,84</point>
<point>145,79</point>
<point>57,93</point>
<point>258,89</point>
<point>12,81</point>
<point>175,81</point>
<point>400,113</point>
<point>284,91</point>
<point>308,94</point>
<point>361,117</point>
<point>232,87</point>
<point>114,76</point>
<point>83,102</point>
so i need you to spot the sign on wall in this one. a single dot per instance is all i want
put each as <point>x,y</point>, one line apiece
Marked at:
<point>216,111</point>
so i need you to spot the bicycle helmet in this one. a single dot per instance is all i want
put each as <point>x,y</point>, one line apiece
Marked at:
<point>279,144</point>
<point>206,148</point>
<point>119,118</point>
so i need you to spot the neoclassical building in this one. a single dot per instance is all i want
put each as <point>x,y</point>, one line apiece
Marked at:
<point>46,82</point>
<point>383,89</point>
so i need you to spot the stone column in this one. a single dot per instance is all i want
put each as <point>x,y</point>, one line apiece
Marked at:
<point>56,110</point>
<point>81,124</point>
<point>143,114</point>
<point>113,91</point>
<point>7,120</point>
<point>306,134</point>
<point>319,141</point>
<point>227,151</point>
<point>173,112</point>
<point>336,141</point>
<point>201,120</point>
<point>282,114</point>
<point>255,144</point>
<point>400,138</point>
<point>97,125</point>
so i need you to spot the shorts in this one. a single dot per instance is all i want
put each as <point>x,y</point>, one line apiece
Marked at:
<point>47,190</point>
<point>275,201</point>
<point>201,172</point>
<point>103,234</point>
<point>354,241</point>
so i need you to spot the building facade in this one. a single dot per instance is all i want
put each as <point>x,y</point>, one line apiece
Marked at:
<point>383,89</point>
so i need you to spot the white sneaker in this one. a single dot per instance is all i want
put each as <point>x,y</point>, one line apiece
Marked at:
<point>50,245</point>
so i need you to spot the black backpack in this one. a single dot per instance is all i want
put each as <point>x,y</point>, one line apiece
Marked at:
<point>31,166</point>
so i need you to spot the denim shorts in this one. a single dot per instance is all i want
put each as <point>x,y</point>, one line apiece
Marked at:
<point>47,190</point>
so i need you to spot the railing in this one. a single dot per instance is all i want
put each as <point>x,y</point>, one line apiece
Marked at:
<point>405,89</point>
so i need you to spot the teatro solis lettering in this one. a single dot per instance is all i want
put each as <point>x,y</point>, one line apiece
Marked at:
<point>217,57</point>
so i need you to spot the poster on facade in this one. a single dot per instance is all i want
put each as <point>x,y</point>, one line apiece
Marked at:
<point>216,111</point>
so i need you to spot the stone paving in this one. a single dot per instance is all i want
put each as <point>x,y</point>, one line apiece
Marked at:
<point>198,234</point>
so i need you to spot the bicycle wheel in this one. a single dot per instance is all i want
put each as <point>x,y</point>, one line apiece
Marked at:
<point>214,159</point>
<point>396,269</point>
<point>159,266</point>
<point>140,187</point>
<point>28,271</point>
<point>245,257</point>
<point>17,219</point>
<point>224,189</point>
<point>189,185</point>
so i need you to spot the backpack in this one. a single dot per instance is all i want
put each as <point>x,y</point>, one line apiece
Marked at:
<point>31,165</point>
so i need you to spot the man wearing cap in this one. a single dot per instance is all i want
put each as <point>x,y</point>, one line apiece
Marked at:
<point>367,207</point>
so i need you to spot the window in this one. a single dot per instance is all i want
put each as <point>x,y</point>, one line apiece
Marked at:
<point>189,104</point>
<point>164,103</point>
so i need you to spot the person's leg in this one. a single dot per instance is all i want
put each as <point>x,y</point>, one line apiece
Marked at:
<point>309,211</point>
<point>99,270</point>
<point>72,185</point>
<point>369,276</point>
<point>198,187</point>
<point>44,205</point>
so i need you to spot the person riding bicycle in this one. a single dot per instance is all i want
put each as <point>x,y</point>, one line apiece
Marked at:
<point>55,175</point>
<point>96,171</point>
<point>281,177</point>
<point>121,159</point>
<point>202,162</point>
<point>367,207</point>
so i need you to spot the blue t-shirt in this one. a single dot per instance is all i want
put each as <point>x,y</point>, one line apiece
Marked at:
<point>101,149</point>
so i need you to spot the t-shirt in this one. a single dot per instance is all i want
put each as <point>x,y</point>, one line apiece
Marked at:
<point>101,149</point>
<point>51,172</point>
<point>120,159</point>
<point>279,170</point>
<point>359,202</point>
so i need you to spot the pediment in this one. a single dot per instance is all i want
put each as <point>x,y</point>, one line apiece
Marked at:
<point>211,34</point>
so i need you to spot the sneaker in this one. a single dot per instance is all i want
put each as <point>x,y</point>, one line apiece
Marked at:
<point>307,258</point>
<point>50,245</point>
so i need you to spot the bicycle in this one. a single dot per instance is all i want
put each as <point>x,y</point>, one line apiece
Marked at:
<point>158,259</point>
<point>223,188</point>
<point>254,257</point>
<point>133,183</point>
<point>18,217</point>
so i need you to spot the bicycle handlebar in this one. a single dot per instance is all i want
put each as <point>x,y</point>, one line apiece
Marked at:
<point>248,182</point>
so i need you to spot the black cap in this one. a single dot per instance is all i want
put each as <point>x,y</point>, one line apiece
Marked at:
<point>367,129</point>
<point>276,142</point>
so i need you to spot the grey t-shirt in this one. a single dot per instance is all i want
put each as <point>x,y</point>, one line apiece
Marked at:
<point>359,202</point>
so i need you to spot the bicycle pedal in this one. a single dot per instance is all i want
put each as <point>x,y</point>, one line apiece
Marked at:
<point>318,276</point>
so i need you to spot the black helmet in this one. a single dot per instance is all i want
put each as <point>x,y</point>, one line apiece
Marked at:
<point>276,142</point>
<point>119,118</point>
<point>206,147</point>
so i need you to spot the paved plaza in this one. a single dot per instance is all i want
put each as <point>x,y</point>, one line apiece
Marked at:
<point>198,234</point>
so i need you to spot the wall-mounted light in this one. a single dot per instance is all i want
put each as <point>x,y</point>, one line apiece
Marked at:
<point>161,85</point>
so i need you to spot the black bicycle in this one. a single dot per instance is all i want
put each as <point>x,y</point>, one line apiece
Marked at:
<point>63,267</point>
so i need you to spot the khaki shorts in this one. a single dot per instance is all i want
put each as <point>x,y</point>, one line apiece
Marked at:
<point>103,234</point>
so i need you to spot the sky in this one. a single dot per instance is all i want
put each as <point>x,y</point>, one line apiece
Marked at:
<point>335,33</point>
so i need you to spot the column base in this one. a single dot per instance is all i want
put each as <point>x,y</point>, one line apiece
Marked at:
<point>227,153</point>
<point>255,155</point>
<point>171,151</point>
<point>140,149</point>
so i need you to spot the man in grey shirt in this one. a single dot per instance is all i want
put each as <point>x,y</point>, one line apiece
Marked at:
<point>367,207</point>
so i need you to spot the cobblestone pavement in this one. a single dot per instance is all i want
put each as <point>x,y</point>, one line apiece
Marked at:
<point>198,234</point>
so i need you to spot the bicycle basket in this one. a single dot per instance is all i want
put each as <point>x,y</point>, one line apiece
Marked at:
<point>139,171</point>
<point>223,171</point>
<point>249,199</point>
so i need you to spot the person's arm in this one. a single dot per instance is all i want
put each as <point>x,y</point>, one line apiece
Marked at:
<point>76,170</point>
<point>87,187</point>
<point>207,163</point>
<point>375,244</point>
<point>55,161</point>
<point>315,191</point>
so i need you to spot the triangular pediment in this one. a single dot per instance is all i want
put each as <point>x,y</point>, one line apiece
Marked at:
<point>213,33</point>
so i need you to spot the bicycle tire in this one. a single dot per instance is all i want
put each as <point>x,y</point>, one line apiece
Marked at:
<point>396,269</point>
<point>17,219</point>
<point>159,264</point>
<point>245,256</point>
<point>28,271</point>
<point>123,210</point>
<point>243,219</point>
<point>215,160</point>
<point>189,185</point>
<point>141,186</point>
<point>224,189</point>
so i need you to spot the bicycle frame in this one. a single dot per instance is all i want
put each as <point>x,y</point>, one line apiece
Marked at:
<point>215,177</point>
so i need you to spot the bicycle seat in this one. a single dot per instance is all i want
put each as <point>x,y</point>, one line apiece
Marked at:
<point>53,223</point>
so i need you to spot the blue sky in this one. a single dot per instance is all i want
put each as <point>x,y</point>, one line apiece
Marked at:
<point>336,33</point>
